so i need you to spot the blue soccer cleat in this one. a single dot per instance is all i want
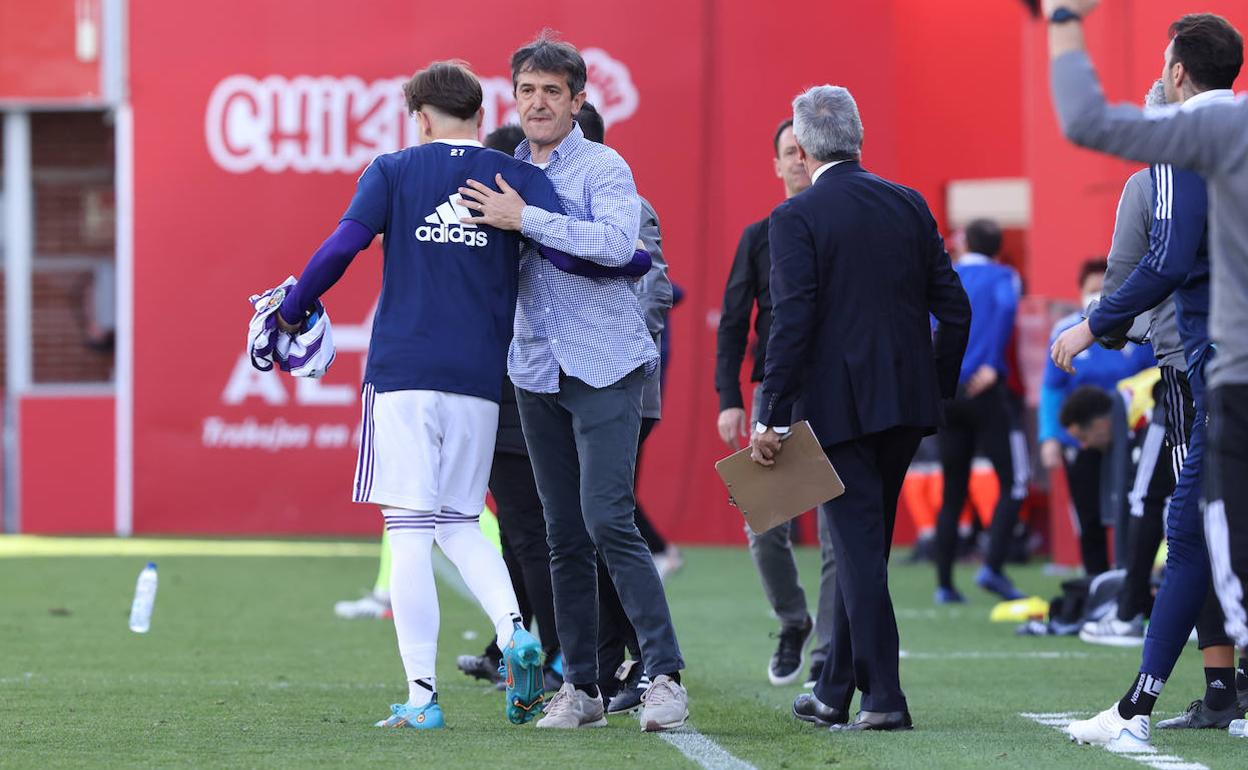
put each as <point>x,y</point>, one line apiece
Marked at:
<point>990,580</point>
<point>426,717</point>
<point>522,671</point>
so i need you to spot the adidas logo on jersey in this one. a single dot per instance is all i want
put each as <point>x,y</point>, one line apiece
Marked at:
<point>444,226</point>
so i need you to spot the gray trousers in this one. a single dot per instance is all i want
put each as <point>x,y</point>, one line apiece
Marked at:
<point>773,556</point>
<point>583,444</point>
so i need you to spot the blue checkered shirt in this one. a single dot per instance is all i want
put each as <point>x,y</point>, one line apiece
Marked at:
<point>590,328</point>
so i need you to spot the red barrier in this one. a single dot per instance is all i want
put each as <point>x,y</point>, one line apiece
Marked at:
<point>67,464</point>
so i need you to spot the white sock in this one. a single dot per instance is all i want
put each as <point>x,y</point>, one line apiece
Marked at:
<point>482,568</point>
<point>421,691</point>
<point>413,596</point>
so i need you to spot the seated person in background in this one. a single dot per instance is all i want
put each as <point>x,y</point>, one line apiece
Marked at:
<point>1102,368</point>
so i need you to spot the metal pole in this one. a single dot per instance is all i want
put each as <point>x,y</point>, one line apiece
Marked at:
<point>123,429</point>
<point>113,56</point>
<point>18,254</point>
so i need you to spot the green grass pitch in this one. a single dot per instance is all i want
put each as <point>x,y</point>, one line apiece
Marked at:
<point>246,666</point>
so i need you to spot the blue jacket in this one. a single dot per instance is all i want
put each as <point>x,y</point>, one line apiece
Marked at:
<point>1177,262</point>
<point>993,290</point>
<point>1094,366</point>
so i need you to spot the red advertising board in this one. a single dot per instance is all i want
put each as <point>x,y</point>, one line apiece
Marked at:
<point>50,50</point>
<point>252,121</point>
<point>248,138</point>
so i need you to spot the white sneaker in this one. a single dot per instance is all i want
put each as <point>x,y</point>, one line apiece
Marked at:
<point>368,606</point>
<point>1112,632</point>
<point>665,706</point>
<point>1110,730</point>
<point>571,708</point>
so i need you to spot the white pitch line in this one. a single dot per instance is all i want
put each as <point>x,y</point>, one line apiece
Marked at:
<point>703,751</point>
<point>23,679</point>
<point>1147,756</point>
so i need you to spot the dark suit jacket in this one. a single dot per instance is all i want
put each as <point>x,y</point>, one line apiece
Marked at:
<point>857,264</point>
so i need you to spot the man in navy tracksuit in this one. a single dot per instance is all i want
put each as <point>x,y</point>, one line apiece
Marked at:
<point>1178,262</point>
<point>979,417</point>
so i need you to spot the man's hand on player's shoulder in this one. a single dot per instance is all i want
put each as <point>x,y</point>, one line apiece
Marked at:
<point>501,208</point>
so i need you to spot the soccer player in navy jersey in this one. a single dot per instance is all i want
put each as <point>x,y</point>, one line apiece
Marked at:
<point>434,375</point>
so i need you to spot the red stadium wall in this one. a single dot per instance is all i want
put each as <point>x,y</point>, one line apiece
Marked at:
<point>212,224</point>
<point>249,135</point>
<point>67,463</point>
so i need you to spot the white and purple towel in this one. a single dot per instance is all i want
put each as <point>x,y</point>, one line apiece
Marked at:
<point>306,354</point>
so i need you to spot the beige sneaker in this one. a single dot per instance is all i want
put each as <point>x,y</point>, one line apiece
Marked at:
<point>665,706</point>
<point>571,708</point>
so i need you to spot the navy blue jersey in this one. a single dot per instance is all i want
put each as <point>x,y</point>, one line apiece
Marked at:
<point>448,291</point>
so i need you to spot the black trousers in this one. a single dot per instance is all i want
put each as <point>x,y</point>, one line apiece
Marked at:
<point>522,527</point>
<point>1226,514</point>
<point>1154,483</point>
<point>865,645</point>
<point>982,423</point>
<point>1083,479</point>
<point>615,633</point>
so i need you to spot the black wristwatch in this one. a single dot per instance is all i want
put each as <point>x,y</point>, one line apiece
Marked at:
<point>1063,15</point>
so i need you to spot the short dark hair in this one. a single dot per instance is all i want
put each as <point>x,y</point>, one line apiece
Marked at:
<point>983,236</point>
<point>547,53</point>
<point>1092,267</point>
<point>1084,405</point>
<point>447,86</point>
<point>591,123</point>
<point>505,138</point>
<point>1210,49</point>
<point>784,126</point>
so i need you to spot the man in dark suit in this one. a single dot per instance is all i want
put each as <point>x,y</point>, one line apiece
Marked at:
<point>857,265</point>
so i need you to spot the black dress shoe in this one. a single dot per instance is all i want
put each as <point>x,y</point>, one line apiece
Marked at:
<point>807,708</point>
<point>878,720</point>
<point>1198,716</point>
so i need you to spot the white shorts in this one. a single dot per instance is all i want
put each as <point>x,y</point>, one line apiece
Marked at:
<point>425,450</point>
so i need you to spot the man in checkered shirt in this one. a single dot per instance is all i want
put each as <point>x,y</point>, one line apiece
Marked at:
<point>580,352</point>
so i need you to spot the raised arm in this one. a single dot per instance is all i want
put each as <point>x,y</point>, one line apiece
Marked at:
<point>1206,140</point>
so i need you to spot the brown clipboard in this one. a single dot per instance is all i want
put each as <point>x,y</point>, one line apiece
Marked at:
<point>768,496</point>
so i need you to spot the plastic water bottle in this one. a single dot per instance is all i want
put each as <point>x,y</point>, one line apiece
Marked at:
<point>144,599</point>
<point>1239,728</point>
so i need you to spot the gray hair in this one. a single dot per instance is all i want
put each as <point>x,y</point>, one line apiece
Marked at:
<point>826,123</point>
<point>1156,96</point>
